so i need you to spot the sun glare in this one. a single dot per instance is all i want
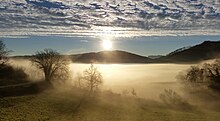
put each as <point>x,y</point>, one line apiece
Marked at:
<point>107,44</point>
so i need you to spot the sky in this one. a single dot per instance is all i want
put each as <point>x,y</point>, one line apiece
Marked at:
<point>144,45</point>
<point>145,27</point>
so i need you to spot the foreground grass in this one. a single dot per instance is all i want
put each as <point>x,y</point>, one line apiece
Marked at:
<point>63,105</point>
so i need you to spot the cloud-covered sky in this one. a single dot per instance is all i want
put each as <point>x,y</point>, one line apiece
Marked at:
<point>88,17</point>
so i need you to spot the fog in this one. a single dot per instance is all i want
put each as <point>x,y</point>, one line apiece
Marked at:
<point>148,80</point>
<point>32,71</point>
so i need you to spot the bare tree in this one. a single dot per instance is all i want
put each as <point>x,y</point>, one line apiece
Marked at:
<point>92,78</point>
<point>3,53</point>
<point>54,65</point>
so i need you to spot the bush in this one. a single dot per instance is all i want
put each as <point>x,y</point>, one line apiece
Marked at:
<point>206,76</point>
<point>171,98</point>
<point>10,75</point>
<point>131,92</point>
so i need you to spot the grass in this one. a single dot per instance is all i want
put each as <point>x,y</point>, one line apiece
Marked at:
<point>60,105</point>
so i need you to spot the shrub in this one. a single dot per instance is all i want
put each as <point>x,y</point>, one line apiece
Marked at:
<point>206,76</point>
<point>10,75</point>
<point>131,92</point>
<point>171,98</point>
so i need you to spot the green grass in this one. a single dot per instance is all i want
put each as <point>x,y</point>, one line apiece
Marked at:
<point>60,105</point>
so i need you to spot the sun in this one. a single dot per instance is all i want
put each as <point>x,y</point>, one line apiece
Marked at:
<point>107,44</point>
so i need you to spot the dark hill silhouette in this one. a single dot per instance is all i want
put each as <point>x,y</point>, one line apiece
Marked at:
<point>204,51</point>
<point>115,56</point>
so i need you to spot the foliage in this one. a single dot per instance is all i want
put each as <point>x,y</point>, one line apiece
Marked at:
<point>54,65</point>
<point>206,76</point>
<point>3,53</point>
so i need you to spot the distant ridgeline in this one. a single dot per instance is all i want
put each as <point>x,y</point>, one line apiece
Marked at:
<point>179,50</point>
<point>204,51</point>
<point>115,56</point>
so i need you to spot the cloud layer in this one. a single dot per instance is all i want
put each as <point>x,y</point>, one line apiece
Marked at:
<point>26,17</point>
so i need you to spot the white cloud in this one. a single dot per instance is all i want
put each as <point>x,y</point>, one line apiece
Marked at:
<point>84,41</point>
<point>28,17</point>
<point>74,51</point>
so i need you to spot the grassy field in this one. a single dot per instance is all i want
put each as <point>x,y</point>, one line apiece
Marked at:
<point>63,105</point>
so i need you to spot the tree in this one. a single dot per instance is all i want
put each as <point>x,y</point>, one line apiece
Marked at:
<point>92,77</point>
<point>203,77</point>
<point>3,53</point>
<point>53,65</point>
<point>212,72</point>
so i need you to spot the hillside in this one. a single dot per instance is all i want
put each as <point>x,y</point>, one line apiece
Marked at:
<point>62,105</point>
<point>203,51</point>
<point>115,56</point>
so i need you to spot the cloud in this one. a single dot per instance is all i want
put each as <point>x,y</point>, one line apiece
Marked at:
<point>84,41</point>
<point>28,17</point>
<point>74,51</point>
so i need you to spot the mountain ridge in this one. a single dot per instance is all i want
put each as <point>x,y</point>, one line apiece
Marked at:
<point>193,54</point>
<point>204,51</point>
<point>115,56</point>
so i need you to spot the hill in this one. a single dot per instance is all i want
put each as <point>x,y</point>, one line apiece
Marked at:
<point>115,56</point>
<point>204,51</point>
<point>191,54</point>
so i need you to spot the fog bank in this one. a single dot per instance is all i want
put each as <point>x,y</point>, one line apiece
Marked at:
<point>148,80</point>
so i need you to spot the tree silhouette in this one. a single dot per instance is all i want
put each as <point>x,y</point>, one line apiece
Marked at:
<point>3,53</point>
<point>92,78</point>
<point>9,75</point>
<point>202,77</point>
<point>53,65</point>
